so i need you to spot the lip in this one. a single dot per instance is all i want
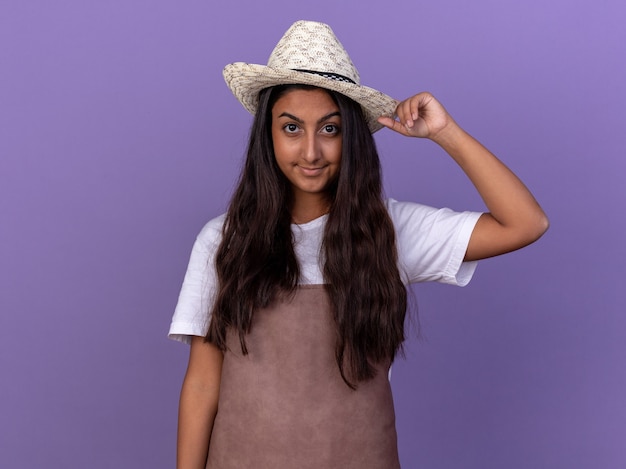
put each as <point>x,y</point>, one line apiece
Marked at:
<point>315,171</point>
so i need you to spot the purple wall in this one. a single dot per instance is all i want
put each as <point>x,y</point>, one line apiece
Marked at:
<point>118,139</point>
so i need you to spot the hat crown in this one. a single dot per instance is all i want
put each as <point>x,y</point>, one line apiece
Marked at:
<point>312,46</point>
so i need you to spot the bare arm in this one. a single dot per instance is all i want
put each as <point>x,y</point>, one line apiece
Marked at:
<point>515,219</point>
<point>198,404</point>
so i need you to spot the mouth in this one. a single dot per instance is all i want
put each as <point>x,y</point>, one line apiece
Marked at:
<point>313,171</point>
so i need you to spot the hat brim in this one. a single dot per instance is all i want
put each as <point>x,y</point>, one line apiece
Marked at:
<point>247,80</point>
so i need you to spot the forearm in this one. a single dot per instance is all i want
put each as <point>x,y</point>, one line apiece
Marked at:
<point>515,219</point>
<point>519,218</point>
<point>199,397</point>
<point>195,423</point>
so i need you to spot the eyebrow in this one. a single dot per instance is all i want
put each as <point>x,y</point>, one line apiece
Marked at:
<point>322,119</point>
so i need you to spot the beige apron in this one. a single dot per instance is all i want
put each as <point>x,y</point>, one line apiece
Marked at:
<point>285,406</point>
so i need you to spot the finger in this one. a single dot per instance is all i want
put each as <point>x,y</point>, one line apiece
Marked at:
<point>394,125</point>
<point>400,111</point>
<point>415,106</point>
<point>407,115</point>
<point>411,110</point>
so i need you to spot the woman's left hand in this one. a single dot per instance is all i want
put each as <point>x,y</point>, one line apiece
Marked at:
<point>419,116</point>
<point>515,219</point>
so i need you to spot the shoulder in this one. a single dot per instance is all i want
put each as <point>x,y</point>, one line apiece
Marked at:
<point>412,214</point>
<point>211,233</point>
<point>405,212</point>
<point>395,207</point>
<point>432,242</point>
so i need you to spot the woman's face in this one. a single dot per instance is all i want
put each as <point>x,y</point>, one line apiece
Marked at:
<point>306,132</point>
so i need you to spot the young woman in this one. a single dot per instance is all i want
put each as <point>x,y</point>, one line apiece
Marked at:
<point>294,300</point>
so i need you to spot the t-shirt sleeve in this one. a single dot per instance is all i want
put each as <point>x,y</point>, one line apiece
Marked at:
<point>432,242</point>
<point>192,313</point>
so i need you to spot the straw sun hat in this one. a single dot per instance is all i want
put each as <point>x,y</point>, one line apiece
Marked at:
<point>309,53</point>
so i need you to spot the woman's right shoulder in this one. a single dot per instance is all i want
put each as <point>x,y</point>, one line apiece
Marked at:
<point>211,232</point>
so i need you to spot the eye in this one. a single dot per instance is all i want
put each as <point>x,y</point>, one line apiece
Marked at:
<point>331,129</point>
<point>290,128</point>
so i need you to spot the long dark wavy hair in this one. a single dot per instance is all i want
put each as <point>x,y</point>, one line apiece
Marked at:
<point>256,261</point>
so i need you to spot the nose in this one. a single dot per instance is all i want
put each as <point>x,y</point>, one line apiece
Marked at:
<point>311,151</point>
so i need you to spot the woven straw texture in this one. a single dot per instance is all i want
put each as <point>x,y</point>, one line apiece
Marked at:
<point>313,47</point>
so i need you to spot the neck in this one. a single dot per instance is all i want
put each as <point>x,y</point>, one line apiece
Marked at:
<point>307,207</point>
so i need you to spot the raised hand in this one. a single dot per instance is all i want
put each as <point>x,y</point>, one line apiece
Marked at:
<point>420,116</point>
<point>514,219</point>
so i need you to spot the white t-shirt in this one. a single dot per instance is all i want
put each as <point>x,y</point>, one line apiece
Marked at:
<point>431,244</point>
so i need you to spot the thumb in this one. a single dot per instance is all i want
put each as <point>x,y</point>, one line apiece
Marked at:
<point>393,125</point>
